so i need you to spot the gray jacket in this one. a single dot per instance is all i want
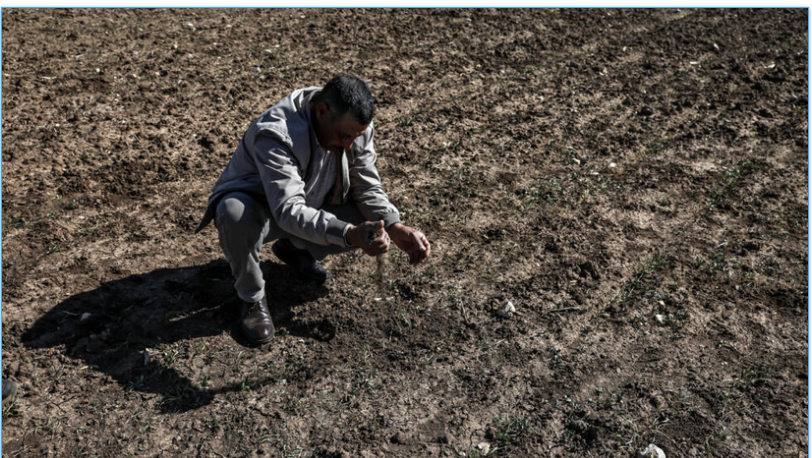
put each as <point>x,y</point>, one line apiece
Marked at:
<point>278,174</point>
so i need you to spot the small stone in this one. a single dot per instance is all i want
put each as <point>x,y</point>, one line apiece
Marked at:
<point>652,451</point>
<point>660,318</point>
<point>484,447</point>
<point>507,310</point>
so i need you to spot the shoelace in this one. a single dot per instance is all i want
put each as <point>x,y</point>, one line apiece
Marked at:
<point>255,306</point>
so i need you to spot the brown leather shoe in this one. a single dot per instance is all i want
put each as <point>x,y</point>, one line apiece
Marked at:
<point>255,319</point>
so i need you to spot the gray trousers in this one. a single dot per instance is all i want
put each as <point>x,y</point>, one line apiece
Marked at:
<point>244,224</point>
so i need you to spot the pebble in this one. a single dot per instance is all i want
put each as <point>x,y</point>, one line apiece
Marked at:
<point>652,451</point>
<point>507,310</point>
<point>660,318</point>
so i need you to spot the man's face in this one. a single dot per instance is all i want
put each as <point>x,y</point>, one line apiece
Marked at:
<point>336,134</point>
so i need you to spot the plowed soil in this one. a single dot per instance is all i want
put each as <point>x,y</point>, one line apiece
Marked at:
<point>633,181</point>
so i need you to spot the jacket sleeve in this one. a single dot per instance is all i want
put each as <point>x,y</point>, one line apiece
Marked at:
<point>365,184</point>
<point>284,190</point>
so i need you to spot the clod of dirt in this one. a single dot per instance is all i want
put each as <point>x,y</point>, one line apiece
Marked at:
<point>507,310</point>
<point>375,234</point>
<point>652,451</point>
<point>658,400</point>
<point>330,452</point>
<point>583,429</point>
<point>400,438</point>
<point>586,268</point>
<point>578,426</point>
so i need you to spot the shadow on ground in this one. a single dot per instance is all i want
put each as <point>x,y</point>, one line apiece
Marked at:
<point>112,327</point>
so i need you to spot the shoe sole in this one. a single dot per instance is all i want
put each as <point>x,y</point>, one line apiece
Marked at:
<point>260,342</point>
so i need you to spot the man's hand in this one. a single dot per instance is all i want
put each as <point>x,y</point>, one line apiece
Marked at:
<point>411,241</point>
<point>369,237</point>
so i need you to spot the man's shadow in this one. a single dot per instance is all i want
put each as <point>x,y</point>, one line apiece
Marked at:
<point>111,327</point>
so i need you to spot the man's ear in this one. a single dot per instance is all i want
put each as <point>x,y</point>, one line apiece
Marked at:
<point>322,111</point>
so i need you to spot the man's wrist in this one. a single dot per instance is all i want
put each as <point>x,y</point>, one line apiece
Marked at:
<point>347,235</point>
<point>394,226</point>
<point>391,219</point>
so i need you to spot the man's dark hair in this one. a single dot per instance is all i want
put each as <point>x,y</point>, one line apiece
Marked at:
<point>348,93</point>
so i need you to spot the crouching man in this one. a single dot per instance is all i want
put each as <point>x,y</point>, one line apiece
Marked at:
<point>304,176</point>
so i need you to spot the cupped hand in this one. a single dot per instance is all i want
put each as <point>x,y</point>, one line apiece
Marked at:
<point>370,237</point>
<point>411,241</point>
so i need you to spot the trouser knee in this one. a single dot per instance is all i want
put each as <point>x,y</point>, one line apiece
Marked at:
<point>242,225</point>
<point>236,213</point>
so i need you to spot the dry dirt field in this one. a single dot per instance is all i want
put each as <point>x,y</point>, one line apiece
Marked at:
<point>633,181</point>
